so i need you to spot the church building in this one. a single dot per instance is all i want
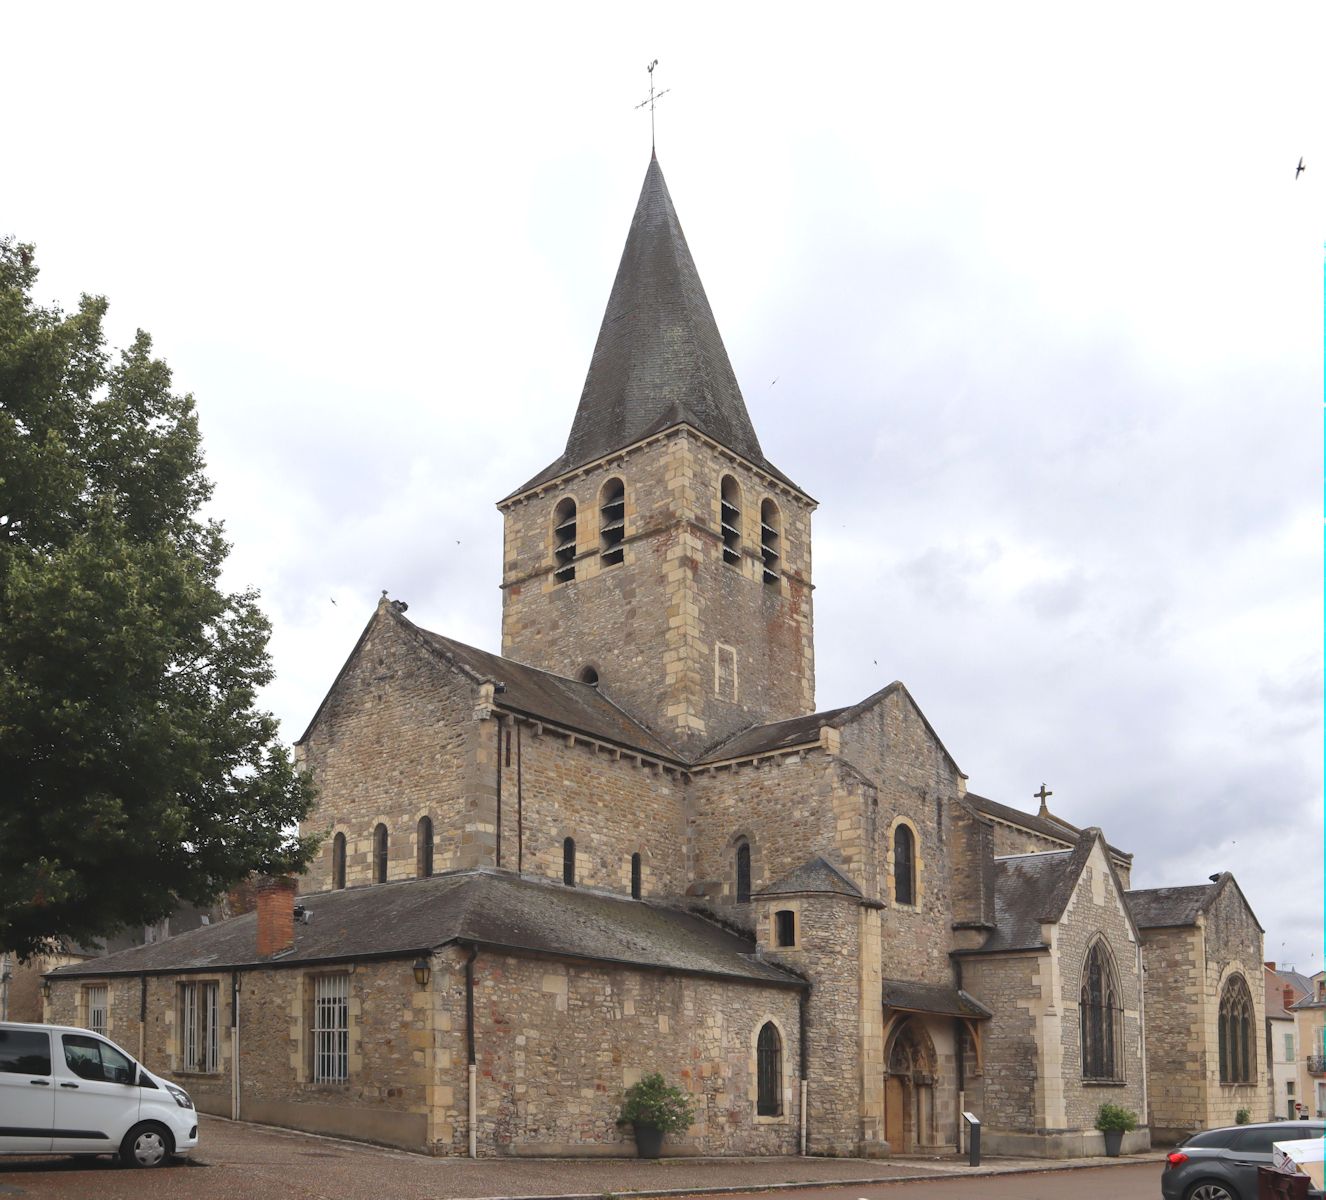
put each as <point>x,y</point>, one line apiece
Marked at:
<point>630,844</point>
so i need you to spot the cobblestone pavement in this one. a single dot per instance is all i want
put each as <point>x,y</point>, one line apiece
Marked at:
<point>253,1162</point>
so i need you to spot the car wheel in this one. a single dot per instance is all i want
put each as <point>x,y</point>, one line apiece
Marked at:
<point>146,1145</point>
<point>1209,1189</point>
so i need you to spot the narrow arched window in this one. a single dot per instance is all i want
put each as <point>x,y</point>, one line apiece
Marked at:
<point>612,522</point>
<point>564,541</point>
<point>771,534</point>
<point>380,854</point>
<point>423,859</point>
<point>1237,1056</point>
<point>635,876</point>
<point>769,1068</point>
<point>743,872</point>
<point>338,861</point>
<point>904,865</point>
<point>569,862</point>
<point>1099,1015</point>
<point>729,519</point>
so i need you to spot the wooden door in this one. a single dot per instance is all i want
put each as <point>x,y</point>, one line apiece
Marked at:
<point>895,1109</point>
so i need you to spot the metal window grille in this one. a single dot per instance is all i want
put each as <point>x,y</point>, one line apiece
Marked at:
<point>199,1034</point>
<point>96,1009</point>
<point>331,1029</point>
<point>769,1063</point>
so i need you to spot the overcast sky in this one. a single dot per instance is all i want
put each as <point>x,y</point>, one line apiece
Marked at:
<point>1038,286</point>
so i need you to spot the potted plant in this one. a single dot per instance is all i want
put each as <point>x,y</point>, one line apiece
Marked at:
<point>654,1108</point>
<point>1242,1117</point>
<point>1114,1121</point>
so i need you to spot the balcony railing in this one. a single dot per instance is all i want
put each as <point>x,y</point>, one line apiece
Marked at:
<point>1317,1064</point>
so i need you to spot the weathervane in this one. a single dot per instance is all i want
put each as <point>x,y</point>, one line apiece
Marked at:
<point>653,96</point>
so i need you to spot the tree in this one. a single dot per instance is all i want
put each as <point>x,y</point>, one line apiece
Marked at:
<point>136,771</point>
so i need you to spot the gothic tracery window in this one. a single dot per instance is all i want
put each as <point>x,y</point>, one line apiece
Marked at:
<point>1099,1010</point>
<point>1237,1057</point>
<point>769,1065</point>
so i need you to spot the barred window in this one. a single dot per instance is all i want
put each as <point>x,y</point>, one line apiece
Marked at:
<point>199,1036</point>
<point>96,999</point>
<point>1237,1057</point>
<point>331,1029</point>
<point>1100,1012</point>
<point>769,1063</point>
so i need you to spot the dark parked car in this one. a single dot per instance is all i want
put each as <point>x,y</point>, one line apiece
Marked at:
<point>1221,1164</point>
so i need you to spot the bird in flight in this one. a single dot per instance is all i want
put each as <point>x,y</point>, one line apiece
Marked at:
<point>1301,167</point>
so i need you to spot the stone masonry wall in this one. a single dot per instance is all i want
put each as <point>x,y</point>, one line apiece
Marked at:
<point>650,625</point>
<point>1233,944</point>
<point>1176,1049</point>
<point>1004,1094</point>
<point>397,741</point>
<point>1097,909</point>
<point>612,806</point>
<point>558,1044</point>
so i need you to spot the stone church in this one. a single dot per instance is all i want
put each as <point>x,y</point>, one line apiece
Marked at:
<point>629,843</point>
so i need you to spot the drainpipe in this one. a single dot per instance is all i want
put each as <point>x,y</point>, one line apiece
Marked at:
<point>234,1045</point>
<point>142,1017</point>
<point>469,1052</point>
<point>804,1056</point>
<point>1141,1027</point>
<point>520,808</point>
<point>498,784</point>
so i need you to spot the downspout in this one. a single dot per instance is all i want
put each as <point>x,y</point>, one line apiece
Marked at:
<point>958,1057</point>
<point>234,1045</point>
<point>499,792</point>
<point>804,1057</point>
<point>142,1017</point>
<point>520,809</point>
<point>1141,1021</point>
<point>469,1052</point>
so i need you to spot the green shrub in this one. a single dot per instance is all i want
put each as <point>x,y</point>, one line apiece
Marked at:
<point>653,1102</point>
<point>1113,1117</point>
<point>1242,1117</point>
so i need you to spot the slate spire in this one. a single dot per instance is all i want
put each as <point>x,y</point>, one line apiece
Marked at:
<point>659,359</point>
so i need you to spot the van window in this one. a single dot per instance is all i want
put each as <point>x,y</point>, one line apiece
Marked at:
<point>91,1058</point>
<point>25,1052</point>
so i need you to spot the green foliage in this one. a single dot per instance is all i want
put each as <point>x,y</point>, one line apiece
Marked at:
<point>135,770</point>
<point>653,1102</point>
<point>1113,1117</point>
<point>1242,1117</point>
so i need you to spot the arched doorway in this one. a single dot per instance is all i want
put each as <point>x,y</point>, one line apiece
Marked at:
<point>909,1089</point>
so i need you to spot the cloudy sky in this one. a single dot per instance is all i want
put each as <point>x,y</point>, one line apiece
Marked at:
<point>1039,289</point>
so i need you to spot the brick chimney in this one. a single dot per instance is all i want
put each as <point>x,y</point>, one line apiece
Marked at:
<point>276,915</point>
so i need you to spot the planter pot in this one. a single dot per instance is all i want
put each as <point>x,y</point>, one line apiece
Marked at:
<point>1113,1140</point>
<point>648,1141</point>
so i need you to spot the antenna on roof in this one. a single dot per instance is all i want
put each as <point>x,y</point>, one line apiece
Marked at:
<point>653,96</point>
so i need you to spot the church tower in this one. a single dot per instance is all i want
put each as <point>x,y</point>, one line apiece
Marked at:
<point>662,555</point>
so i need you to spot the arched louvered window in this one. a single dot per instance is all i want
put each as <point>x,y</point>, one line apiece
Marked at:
<point>564,541</point>
<point>1238,1058</point>
<point>769,1068</point>
<point>729,518</point>
<point>743,871</point>
<point>1099,1014</point>
<point>635,876</point>
<point>771,536</point>
<point>423,864</point>
<point>569,862</point>
<point>380,854</point>
<point>612,522</point>
<point>904,865</point>
<point>338,861</point>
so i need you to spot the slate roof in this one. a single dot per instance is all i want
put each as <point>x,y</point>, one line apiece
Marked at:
<point>1156,907</point>
<point>1030,889</point>
<point>936,998</point>
<point>659,360</point>
<point>1276,982</point>
<point>761,739</point>
<point>557,699</point>
<point>1053,827</point>
<point>816,875</point>
<point>492,909</point>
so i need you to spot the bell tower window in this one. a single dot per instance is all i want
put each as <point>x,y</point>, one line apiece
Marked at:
<point>729,517</point>
<point>771,528</point>
<point>612,522</point>
<point>564,541</point>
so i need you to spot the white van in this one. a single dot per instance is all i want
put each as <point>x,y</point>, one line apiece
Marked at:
<point>70,1091</point>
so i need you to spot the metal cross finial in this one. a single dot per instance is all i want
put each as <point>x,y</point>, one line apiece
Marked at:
<point>1042,796</point>
<point>653,96</point>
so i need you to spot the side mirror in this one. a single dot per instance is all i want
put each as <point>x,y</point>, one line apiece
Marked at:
<point>123,1075</point>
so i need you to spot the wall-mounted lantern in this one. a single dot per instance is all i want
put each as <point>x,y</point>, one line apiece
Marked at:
<point>422,972</point>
